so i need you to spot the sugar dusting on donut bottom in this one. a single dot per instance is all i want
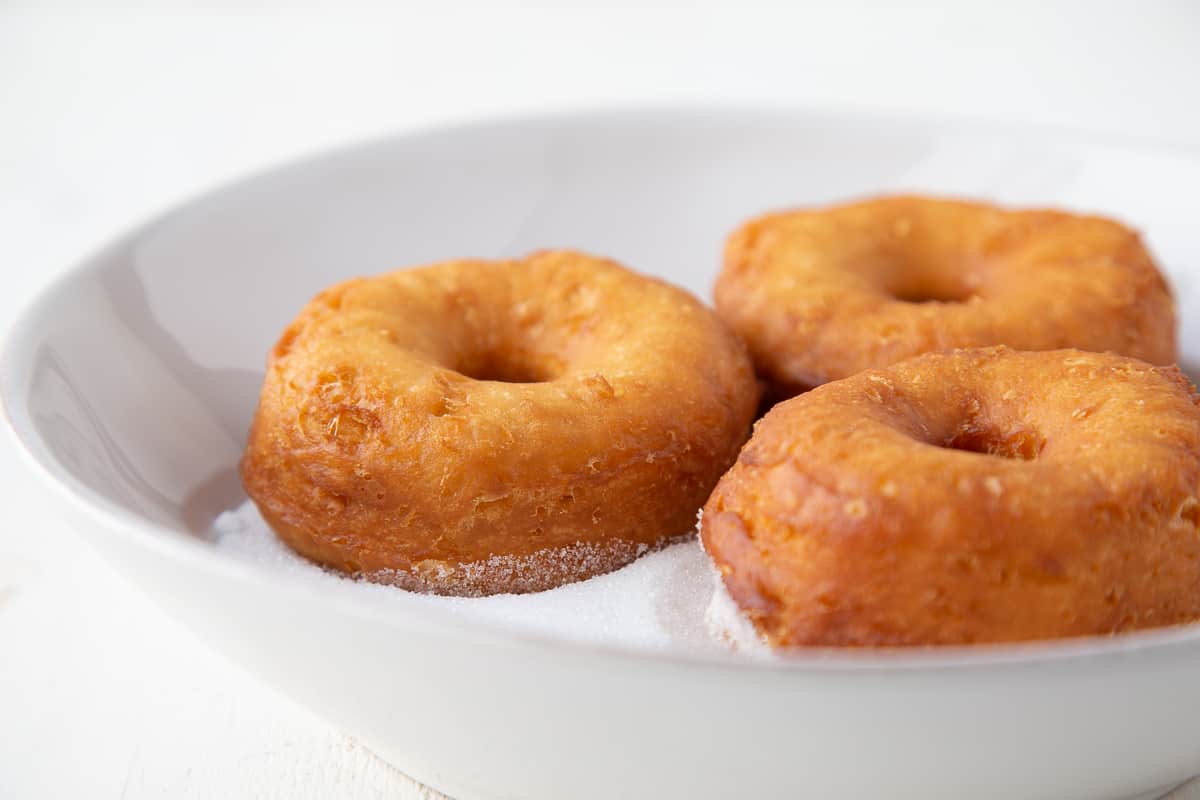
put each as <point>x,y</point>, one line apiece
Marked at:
<point>662,601</point>
<point>530,573</point>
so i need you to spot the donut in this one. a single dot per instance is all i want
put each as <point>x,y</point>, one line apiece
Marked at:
<point>821,294</point>
<point>479,427</point>
<point>969,496</point>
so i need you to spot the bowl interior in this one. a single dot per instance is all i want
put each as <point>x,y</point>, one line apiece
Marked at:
<point>134,378</point>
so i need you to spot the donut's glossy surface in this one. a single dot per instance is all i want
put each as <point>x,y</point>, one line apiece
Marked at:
<point>478,427</point>
<point>820,294</point>
<point>970,496</point>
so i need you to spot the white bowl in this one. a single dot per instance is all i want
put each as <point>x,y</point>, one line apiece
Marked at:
<point>130,384</point>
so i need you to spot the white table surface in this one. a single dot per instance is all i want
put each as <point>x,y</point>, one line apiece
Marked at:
<point>109,113</point>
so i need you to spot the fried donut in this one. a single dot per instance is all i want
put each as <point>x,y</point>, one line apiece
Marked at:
<point>477,427</point>
<point>821,294</point>
<point>969,496</point>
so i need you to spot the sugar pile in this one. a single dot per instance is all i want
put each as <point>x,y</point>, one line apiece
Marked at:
<point>667,600</point>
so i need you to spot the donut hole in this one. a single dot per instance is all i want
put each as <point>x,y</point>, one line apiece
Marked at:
<point>929,289</point>
<point>510,367</point>
<point>931,296</point>
<point>919,270</point>
<point>1020,444</point>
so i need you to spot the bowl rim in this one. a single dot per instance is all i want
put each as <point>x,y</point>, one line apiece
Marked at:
<point>20,340</point>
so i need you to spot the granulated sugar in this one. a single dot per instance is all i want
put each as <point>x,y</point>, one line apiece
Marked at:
<point>659,602</point>
<point>727,624</point>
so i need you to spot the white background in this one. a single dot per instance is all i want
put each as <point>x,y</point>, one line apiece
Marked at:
<point>109,112</point>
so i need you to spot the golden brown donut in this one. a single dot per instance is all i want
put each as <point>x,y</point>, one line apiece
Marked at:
<point>969,496</point>
<point>821,294</point>
<point>477,427</point>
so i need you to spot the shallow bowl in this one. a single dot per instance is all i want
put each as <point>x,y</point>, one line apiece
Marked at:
<point>131,381</point>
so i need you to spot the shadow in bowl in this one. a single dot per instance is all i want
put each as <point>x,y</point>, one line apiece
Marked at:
<point>219,493</point>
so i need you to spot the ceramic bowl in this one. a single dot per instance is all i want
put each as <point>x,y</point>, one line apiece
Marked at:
<point>131,381</point>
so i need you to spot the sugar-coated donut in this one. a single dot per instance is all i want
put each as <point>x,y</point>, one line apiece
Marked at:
<point>970,496</point>
<point>824,293</point>
<point>477,427</point>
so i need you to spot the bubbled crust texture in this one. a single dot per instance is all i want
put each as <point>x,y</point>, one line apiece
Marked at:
<point>374,453</point>
<point>850,519</point>
<point>822,294</point>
